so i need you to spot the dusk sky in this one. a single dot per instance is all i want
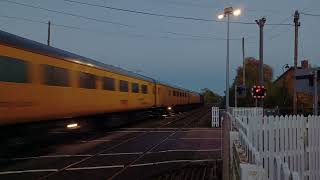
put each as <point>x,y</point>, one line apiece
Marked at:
<point>187,53</point>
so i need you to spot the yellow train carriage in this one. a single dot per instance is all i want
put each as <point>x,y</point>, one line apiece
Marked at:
<point>38,82</point>
<point>37,86</point>
<point>171,96</point>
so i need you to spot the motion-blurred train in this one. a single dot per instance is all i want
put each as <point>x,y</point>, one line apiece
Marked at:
<point>39,82</point>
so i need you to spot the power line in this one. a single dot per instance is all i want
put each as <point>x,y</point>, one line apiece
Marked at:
<point>67,13</point>
<point>127,10</point>
<point>142,12</point>
<point>99,20</point>
<point>309,14</point>
<point>163,15</point>
<point>191,37</point>
<point>41,22</point>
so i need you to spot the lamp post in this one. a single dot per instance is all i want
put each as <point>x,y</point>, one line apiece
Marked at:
<point>226,14</point>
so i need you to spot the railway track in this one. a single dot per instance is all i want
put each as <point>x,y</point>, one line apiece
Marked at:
<point>153,141</point>
<point>189,119</point>
<point>202,171</point>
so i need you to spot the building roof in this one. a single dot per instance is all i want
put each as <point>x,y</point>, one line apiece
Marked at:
<point>283,74</point>
<point>36,47</point>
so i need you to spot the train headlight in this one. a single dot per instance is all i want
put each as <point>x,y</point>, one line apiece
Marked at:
<point>169,108</point>
<point>73,126</point>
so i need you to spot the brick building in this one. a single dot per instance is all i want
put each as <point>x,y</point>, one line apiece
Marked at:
<point>285,81</point>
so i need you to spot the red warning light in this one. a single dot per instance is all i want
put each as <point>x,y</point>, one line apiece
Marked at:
<point>258,92</point>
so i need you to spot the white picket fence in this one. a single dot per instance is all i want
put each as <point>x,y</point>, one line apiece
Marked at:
<point>246,111</point>
<point>285,147</point>
<point>215,117</point>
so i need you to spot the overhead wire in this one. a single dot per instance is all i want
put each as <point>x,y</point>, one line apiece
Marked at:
<point>191,37</point>
<point>166,16</point>
<point>67,13</point>
<point>309,14</point>
<point>139,12</point>
<point>150,13</point>
<point>103,21</point>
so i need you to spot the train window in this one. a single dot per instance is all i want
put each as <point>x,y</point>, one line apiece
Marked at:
<point>144,89</point>
<point>135,87</point>
<point>169,92</point>
<point>108,83</point>
<point>87,80</point>
<point>123,86</point>
<point>13,70</point>
<point>55,76</point>
<point>174,93</point>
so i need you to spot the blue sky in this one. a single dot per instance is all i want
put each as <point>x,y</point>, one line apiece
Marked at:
<point>146,47</point>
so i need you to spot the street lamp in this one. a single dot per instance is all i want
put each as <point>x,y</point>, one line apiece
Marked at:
<point>227,12</point>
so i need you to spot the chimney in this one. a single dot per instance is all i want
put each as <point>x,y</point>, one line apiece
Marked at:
<point>304,64</point>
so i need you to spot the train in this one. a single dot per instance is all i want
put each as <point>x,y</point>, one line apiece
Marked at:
<point>41,83</point>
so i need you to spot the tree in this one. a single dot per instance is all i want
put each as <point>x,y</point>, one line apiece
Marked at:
<point>252,78</point>
<point>211,97</point>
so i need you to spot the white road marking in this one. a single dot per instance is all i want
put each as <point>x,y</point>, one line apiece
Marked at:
<point>28,171</point>
<point>195,139</point>
<point>173,161</point>
<point>96,140</point>
<point>58,132</point>
<point>53,156</point>
<point>184,150</point>
<point>95,167</point>
<point>113,154</point>
<point>145,131</point>
<point>124,153</point>
<point>74,155</point>
<point>129,129</point>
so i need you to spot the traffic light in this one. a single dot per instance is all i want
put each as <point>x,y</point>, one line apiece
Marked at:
<point>258,92</point>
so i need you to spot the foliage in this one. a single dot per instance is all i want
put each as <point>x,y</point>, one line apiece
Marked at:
<point>211,97</point>
<point>252,78</point>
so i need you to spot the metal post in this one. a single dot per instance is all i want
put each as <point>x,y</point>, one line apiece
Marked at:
<point>315,95</point>
<point>227,63</point>
<point>49,29</point>
<point>261,23</point>
<point>235,96</point>
<point>296,28</point>
<point>244,65</point>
